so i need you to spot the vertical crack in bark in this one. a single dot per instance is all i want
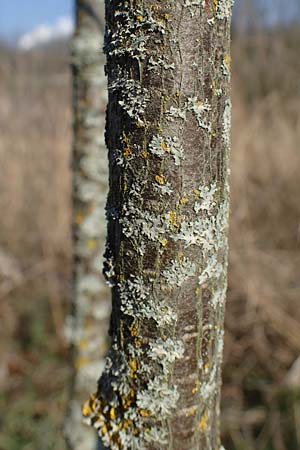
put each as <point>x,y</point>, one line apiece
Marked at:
<point>168,123</point>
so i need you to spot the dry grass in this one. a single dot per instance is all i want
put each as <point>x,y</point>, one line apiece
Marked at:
<point>263,332</point>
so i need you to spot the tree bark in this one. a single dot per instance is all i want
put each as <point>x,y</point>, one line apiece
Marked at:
<point>91,305</point>
<point>168,136</point>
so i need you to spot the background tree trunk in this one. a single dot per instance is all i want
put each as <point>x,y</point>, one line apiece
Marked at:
<point>90,296</point>
<point>168,126</point>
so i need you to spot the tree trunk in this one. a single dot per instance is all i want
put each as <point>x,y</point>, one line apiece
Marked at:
<point>90,296</point>
<point>168,125</point>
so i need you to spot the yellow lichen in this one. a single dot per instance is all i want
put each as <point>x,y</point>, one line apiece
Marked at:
<point>183,200</point>
<point>163,242</point>
<point>79,217</point>
<point>89,406</point>
<point>127,401</point>
<point>196,193</point>
<point>144,413</point>
<point>133,329</point>
<point>214,87</point>
<point>195,389</point>
<point>160,179</point>
<point>202,425</point>
<point>83,343</point>
<point>133,367</point>
<point>180,256</point>
<point>164,146</point>
<point>127,151</point>
<point>125,424</point>
<point>81,361</point>
<point>140,18</point>
<point>112,414</point>
<point>144,154</point>
<point>172,219</point>
<point>227,61</point>
<point>91,243</point>
<point>86,409</point>
<point>191,411</point>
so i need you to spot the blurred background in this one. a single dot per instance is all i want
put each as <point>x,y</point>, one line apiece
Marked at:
<point>261,393</point>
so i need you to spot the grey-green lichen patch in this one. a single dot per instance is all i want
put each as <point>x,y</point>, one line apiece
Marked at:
<point>176,113</point>
<point>164,188</point>
<point>133,97</point>
<point>161,62</point>
<point>140,408</point>
<point>224,9</point>
<point>180,271</point>
<point>198,3</point>
<point>227,123</point>
<point>201,110</point>
<point>132,32</point>
<point>161,147</point>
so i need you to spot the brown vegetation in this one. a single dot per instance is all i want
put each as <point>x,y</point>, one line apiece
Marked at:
<point>261,410</point>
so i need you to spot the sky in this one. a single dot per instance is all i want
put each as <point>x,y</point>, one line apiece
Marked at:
<point>20,16</point>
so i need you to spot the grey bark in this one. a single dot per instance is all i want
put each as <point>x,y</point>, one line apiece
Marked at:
<point>88,325</point>
<point>168,125</point>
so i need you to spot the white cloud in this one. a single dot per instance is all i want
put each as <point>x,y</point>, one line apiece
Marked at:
<point>42,34</point>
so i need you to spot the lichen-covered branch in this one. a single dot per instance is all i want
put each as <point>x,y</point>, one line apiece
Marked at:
<point>87,327</point>
<point>168,125</point>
